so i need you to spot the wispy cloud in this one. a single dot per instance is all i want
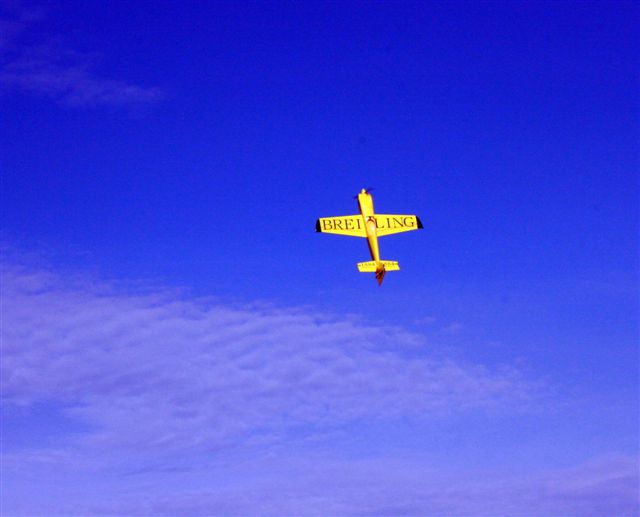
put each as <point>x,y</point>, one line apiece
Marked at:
<point>58,71</point>
<point>14,20</point>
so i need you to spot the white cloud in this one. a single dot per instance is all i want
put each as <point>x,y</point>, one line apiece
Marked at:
<point>175,371</point>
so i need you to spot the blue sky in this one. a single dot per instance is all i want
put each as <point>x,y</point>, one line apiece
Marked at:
<point>178,340</point>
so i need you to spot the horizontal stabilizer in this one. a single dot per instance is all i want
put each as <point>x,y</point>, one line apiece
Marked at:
<point>372,266</point>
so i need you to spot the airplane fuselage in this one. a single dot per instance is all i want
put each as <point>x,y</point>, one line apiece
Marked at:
<point>365,202</point>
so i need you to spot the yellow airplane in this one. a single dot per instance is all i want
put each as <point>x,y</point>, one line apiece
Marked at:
<point>370,225</point>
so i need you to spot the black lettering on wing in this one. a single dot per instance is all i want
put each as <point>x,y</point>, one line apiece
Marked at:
<point>326,224</point>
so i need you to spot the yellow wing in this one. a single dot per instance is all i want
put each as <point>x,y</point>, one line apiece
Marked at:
<point>394,223</point>
<point>351,225</point>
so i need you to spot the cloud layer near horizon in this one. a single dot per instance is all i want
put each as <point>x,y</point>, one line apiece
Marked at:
<point>201,407</point>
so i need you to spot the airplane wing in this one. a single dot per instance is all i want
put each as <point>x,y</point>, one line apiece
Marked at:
<point>394,223</point>
<point>351,225</point>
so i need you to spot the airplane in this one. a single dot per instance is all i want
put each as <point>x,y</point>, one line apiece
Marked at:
<point>370,225</point>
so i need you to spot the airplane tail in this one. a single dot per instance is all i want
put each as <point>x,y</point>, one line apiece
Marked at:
<point>378,267</point>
